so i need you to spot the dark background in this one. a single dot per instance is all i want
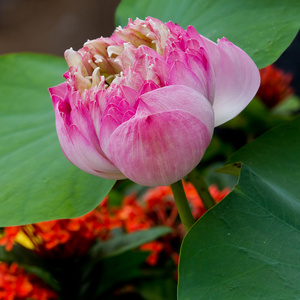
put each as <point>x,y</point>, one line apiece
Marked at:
<point>290,62</point>
<point>52,26</point>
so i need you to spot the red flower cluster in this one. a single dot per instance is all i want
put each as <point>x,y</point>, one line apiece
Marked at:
<point>76,235</point>
<point>158,208</point>
<point>16,284</point>
<point>275,86</point>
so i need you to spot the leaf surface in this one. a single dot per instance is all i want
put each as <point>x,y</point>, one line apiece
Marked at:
<point>248,246</point>
<point>264,29</point>
<point>37,182</point>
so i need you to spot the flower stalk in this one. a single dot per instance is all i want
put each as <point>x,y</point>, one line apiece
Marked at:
<point>183,206</point>
<point>202,189</point>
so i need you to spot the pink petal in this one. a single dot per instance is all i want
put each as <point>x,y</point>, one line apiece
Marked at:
<point>177,97</point>
<point>175,29</point>
<point>159,149</point>
<point>79,151</point>
<point>129,78</point>
<point>108,126</point>
<point>148,86</point>
<point>181,75</point>
<point>87,158</point>
<point>144,66</point>
<point>96,114</point>
<point>129,93</point>
<point>202,67</point>
<point>81,118</point>
<point>237,81</point>
<point>237,77</point>
<point>58,92</point>
<point>65,141</point>
<point>161,69</point>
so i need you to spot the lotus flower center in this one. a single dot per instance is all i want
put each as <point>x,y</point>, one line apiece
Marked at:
<point>104,59</point>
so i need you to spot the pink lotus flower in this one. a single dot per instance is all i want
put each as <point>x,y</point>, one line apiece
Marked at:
<point>143,103</point>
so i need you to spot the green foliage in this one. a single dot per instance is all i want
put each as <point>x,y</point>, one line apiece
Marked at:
<point>115,262</point>
<point>161,288</point>
<point>247,246</point>
<point>116,270</point>
<point>256,119</point>
<point>125,242</point>
<point>37,183</point>
<point>264,29</point>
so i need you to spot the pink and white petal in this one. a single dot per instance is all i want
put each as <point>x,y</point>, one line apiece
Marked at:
<point>237,77</point>
<point>181,75</point>
<point>129,78</point>
<point>100,98</point>
<point>126,59</point>
<point>209,46</point>
<point>86,157</point>
<point>129,94</point>
<point>108,126</point>
<point>192,44</point>
<point>173,55</point>
<point>159,149</point>
<point>114,111</point>
<point>67,145</point>
<point>177,97</point>
<point>128,115</point>
<point>96,115</point>
<point>58,92</point>
<point>161,69</point>
<point>237,81</point>
<point>175,29</point>
<point>148,86</point>
<point>144,50</point>
<point>79,151</point>
<point>71,154</point>
<point>72,57</point>
<point>81,118</point>
<point>144,66</point>
<point>203,69</point>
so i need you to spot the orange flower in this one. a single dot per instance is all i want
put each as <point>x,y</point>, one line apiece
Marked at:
<point>275,86</point>
<point>132,215</point>
<point>10,234</point>
<point>63,238</point>
<point>16,284</point>
<point>217,194</point>
<point>155,247</point>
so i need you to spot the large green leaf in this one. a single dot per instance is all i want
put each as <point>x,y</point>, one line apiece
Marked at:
<point>264,29</point>
<point>37,183</point>
<point>248,246</point>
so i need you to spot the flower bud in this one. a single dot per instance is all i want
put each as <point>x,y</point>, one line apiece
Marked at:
<point>143,103</point>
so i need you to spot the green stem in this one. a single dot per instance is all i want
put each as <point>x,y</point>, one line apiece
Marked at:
<point>183,206</point>
<point>202,189</point>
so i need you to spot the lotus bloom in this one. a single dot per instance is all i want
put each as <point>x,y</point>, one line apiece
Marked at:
<point>143,103</point>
